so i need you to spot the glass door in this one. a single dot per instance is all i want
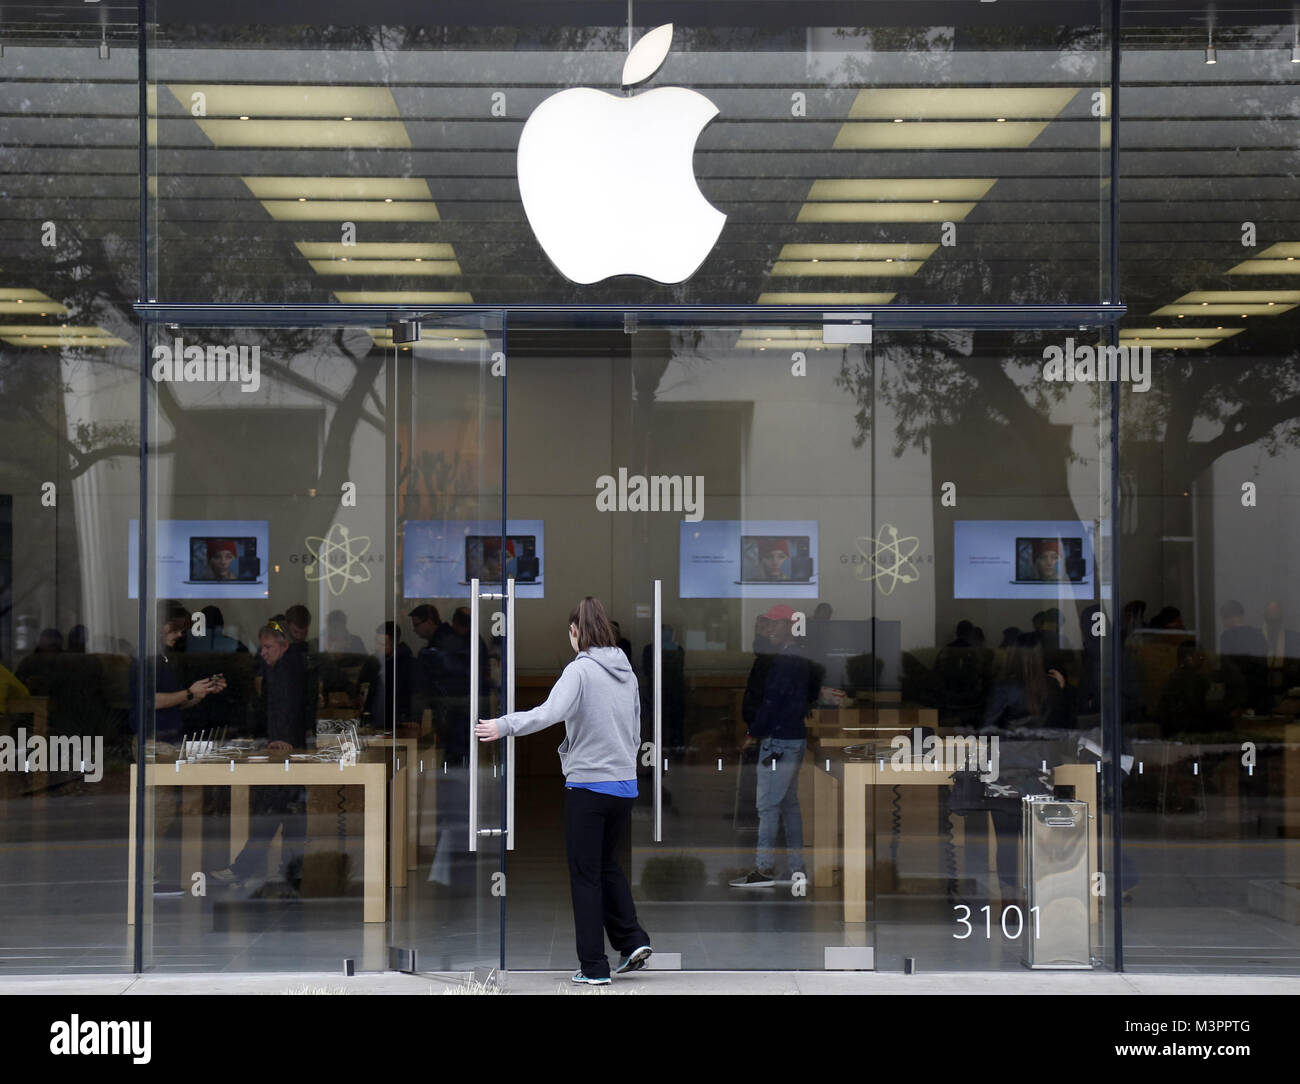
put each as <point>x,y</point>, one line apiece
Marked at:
<point>451,606</point>
<point>702,481</point>
<point>812,547</point>
<point>312,796</point>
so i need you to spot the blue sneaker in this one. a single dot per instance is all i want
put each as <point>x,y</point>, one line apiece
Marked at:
<point>583,980</point>
<point>634,960</point>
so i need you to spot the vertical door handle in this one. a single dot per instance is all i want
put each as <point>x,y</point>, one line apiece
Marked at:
<point>473,715</point>
<point>510,706</point>
<point>657,692</point>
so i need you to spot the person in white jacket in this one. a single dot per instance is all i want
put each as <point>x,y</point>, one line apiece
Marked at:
<point>598,701</point>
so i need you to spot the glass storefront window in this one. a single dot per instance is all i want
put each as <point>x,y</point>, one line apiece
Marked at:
<point>252,485</point>
<point>942,154</point>
<point>69,459</point>
<point>1207,492</point>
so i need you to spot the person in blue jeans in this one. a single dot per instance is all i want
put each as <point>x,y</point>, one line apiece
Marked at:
<point>597,699</point>
<point>783,685</point>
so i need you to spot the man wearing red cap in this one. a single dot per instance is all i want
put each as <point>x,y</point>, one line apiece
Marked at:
<point>782,686</point>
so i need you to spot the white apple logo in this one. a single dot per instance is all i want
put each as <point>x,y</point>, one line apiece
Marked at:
<point>608,183</point>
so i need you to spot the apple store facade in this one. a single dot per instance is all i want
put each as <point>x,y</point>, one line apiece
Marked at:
<point>917,386</point>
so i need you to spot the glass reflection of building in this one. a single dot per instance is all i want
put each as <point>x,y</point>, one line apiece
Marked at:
<point>301,348</point>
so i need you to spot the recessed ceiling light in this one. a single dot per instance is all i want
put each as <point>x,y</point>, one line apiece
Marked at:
<point>404,297</point>
<point>883,211</point>
<point>898,120</point>
<point>914,189</point>
<point>376,250</point>
<point>1232,302</point>
<point>352,210</point>
<point>375,188</point>
<point>850,251</point>
<point>244,117</point>
<point>889,268</point>
<point>347,118</point>
<point>938,135</point>
<point>283,134</point>
<point>795,298</point>
<point>960,103</point>
<point>425,269</point>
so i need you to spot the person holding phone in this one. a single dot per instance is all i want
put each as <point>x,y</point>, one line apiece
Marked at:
<point>598,700</point>
<point>169,699</point>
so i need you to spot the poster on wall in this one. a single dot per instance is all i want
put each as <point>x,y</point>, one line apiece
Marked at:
<point>752,558</point>
<point>440,557</point>
<point>1023,559</point>
<point>205,558</point>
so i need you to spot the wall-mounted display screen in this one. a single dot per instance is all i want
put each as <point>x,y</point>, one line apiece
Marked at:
<point>205,558</point>
<point>732,558</point>
<point>1023,559</point>
<point>440,557</point>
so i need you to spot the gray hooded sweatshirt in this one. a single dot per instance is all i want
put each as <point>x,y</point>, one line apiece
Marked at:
<point>598,700</point>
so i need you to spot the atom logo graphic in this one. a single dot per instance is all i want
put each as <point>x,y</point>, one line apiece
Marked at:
<point>890,558</point>
<point>337,559</point>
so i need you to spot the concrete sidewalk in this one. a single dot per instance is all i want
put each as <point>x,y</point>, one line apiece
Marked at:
<point>660,982</point>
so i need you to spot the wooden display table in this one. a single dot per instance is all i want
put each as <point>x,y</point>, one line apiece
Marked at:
<point>859,775</point>
<point>372,775</point>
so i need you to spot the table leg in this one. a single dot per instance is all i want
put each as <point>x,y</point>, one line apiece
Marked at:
<point>825,827</point>
<point>191,813</point>
<point>413,806</point>
<point>238,820</point>
<point>375,847</point>
<point>855,845</point>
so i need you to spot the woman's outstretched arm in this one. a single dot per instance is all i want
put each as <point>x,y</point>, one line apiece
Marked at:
<point>557,707</point>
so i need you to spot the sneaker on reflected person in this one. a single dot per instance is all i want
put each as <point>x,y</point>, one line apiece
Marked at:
<point>755,878</point>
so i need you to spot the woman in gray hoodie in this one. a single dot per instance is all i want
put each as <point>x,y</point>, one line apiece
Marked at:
<point>598,701</point>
